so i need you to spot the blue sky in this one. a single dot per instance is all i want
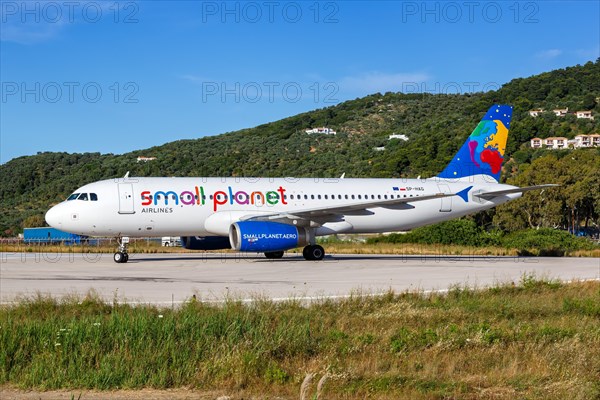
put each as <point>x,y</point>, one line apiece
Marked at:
<point>111,77</point>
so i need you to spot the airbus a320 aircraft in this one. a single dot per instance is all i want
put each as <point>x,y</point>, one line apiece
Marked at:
<point>271,215</point>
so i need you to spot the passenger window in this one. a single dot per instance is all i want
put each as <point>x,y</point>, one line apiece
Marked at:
<point>73,196</point>
<point>385,196</point>
<point>379,196</point>
<point>346,197</point>
<point>359,197</point>
<point>319,197</point>
<point>352,197</point>
<point>326,197</point>
<point>83,196</point>
<point>93,197</point>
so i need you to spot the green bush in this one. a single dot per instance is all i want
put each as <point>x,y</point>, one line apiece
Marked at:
<point>547,241</point>
<point>462,232</point>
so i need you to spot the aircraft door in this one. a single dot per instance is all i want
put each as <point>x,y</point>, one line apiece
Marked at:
<point>258,199</point>
<point>446,202</point>
<point>126,198</point>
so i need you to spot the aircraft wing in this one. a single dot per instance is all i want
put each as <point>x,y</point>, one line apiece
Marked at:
<point>336,213</point>
<point>496,193</point>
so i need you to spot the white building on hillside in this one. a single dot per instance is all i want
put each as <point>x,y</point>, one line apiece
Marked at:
<point>396,136</point>
<point>536,143</point>
<point>584,114</point>
<point>145,159</point>
<point>535,113</point>
<point>587,140</point>
<point>321,130</point>
<point>561,112</point>
<point>556,143</point>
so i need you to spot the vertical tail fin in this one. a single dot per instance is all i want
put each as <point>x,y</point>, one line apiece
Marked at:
<point>483,152</point>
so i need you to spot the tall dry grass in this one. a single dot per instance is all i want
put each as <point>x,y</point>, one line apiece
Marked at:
<point>537,339</point>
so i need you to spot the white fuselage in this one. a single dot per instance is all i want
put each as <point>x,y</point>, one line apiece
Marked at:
<point>140,207</point>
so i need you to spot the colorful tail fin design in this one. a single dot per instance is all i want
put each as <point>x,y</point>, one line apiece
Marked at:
<point>483,152</point>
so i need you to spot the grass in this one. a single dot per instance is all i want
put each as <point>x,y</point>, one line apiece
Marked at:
<point>536,339</point>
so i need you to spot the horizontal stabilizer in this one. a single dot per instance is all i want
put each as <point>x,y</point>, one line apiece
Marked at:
<point>496,193</point>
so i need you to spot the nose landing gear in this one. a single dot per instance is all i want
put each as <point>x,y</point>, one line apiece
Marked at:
<point>121,256</point>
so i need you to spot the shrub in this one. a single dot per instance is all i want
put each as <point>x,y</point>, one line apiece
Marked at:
<point>547,241</point>
<point>463,232</point>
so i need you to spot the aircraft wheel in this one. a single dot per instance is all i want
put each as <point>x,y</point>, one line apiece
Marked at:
<point>120,257</point>
<point>313,253</point>
<point>305,252</point>
<point>274,254</point>
<point>126,257</point>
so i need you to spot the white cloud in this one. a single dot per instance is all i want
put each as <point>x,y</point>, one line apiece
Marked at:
<point>192,78</point>
<point>29,33</point>
<point>37,22</point>
<point>547,54</point>
<point>375,81</point>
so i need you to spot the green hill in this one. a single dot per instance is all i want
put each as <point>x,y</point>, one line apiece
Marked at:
<point>436,126</point>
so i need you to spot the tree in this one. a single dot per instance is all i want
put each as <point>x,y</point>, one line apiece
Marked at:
<point>34,221</point>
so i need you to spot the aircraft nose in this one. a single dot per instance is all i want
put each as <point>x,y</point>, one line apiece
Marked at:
<point>53,217</point>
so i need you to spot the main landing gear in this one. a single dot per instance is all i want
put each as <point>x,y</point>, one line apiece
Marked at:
<point>274,254</point>
<point>121,256</point>
<point>313,252</point>
<point>310,252</point>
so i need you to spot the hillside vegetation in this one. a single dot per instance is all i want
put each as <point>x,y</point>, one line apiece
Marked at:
<point>436,126</point>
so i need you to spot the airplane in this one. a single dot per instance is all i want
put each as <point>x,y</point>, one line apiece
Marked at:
<point>272,215</point>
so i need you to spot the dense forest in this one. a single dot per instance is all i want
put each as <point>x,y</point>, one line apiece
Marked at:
<point>436,126</point>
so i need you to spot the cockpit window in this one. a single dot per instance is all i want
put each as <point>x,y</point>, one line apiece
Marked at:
<point>83,196</point>
<point>73,196</point>
<point>93,197</point>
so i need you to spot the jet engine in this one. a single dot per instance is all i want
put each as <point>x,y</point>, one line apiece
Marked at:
<point>264,236</point>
